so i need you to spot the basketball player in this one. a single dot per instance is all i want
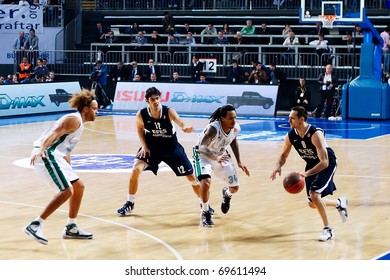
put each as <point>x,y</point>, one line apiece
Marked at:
<point>158,143</point>
<point>211,156</point>
<point>310,143</point>
<point>51,160</point>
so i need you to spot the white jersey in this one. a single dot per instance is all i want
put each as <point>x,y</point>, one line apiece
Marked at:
<point>65,144</point>
<point>221,140</point>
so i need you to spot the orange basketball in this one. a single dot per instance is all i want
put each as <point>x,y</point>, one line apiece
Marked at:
<point>294,182</point>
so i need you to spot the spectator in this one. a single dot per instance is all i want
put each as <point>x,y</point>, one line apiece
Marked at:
<point>258,75</point>
<point>133,32</point>
<point>8,80</point>
<point>118,73</point>
<point>175,78</point>
<point>226,29</point>
<point>234,73</point>
<point>51,77</point>
<point>40,70</point>
<point>277,76</point>
<point>302,95</point>
<point>221,39</point>
<point>18,47</point>
<point>99,83</point>
<point>152,69</point>
<point>44,62</point>
<point>328,82</point>
<point>319,29</point>
<point>264,33</point>
<point>31,46</point>
<point>172,40</point>
<point>2,80</point>
<point>291,41</point>
<point>202,79</point>
<point>191,43</point>
<point>100,33</point>
<point>196,68</point>
<point>186,29</point>
<point>137,78</point>
<point>155,38</point>
<point>167,21</point>
<point>386,49</point>
<point>321,46</point>
<point>134,70</point>
<point>140,40</point>
<point>249,29</point>
<point>24,69</point>
<point>153,77</point>
<point>208,33</point>
<point>286,31</point>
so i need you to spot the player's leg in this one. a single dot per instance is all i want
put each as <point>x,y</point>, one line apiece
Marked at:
<point>228,174</point>
<point>138,168</point>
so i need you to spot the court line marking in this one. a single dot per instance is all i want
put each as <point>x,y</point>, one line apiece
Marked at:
<point>166,245</point>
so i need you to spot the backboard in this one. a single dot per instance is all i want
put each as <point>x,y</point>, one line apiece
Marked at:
<point>346,11</point>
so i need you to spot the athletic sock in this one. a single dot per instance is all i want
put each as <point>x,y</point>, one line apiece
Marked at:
<point>130,197</point>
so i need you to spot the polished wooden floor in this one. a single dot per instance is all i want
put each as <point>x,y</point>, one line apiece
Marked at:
<point>264,222</point>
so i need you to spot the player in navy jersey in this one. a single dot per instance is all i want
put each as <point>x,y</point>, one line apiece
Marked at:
<point>309,141</point>
<point>158,143</point>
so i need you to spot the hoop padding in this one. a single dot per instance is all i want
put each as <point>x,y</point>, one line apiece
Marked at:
<point>327,20</point>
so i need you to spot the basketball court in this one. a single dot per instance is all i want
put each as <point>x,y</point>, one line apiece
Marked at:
<point>264,222</point>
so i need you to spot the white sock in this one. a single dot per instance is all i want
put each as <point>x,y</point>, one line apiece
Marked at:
<point>71,221</point>
<point>39,219</point>
<point>338,203</point>
<point>205,206</point>
<point>228,192</point>
<point>130,197</point>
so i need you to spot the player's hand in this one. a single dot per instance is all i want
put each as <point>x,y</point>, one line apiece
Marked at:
<point>143,153</point>
<point>188,129</point>
<point>243,167</point>
<point>276,171</point>
<point>36,156</point>
<point>222,158</point>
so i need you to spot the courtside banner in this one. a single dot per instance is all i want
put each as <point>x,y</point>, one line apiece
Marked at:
<point>251,100</point>
<point>23,99</point>
<point>15,18</point>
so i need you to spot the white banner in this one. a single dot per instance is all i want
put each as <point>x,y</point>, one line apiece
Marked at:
<point>254,100</point>
<point>23,99</point>
<point>15,18</point>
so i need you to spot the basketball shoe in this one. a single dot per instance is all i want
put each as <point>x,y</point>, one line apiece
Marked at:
<point>210,209</point>
<point>207,219</point>
<point>126,208</point>
<point>72,231</point>
<point>225,205</point>
<point>327,234</point>
<point>34,230</point>
<point>342,208</point>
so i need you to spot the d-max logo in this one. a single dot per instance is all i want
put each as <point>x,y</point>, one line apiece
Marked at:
<point>184,97</point>
<point>135,95</point>
<point>20,102</point>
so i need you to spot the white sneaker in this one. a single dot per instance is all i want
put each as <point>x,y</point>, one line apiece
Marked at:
<point>342,208</point>
<point>72,231</point>
<point>327,234</point>
<point>34,230</point>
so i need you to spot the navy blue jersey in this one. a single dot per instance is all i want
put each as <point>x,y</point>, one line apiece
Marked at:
<point>160,134</point>
<point>305,148</point>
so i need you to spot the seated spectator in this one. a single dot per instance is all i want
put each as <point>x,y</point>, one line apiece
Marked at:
<point>111,39</point>
<point>175,78</point>
<point>291,41</point>
<point>132,31</point>
<point>302,94</point>
<point>321,46</point>
<point>2,79</point>
<point>40,70</point>
<point>172,40</point>
<point>185,29</point>
<point>319,29</point>
<point>221,39</point>
<point>134,70</point>
<point>153,77</point>
<point>248,29</point>
<point>151,68</point>
<point>208,33</point>
<point>264,31</point>
<point>118,73</point>
<point>137,78</point>
<point>234,73</point>
<point>167,21</point>
<point>51,77</point>
<point>100,33</point>
<point>202,79</point>
<point>286,30</point>
<point>24,69</point>
<point>226,29</point>
<point>140,40</point>
<point>258,75</point>
<point>155,38</point>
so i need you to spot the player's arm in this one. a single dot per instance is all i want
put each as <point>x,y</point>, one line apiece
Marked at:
<point>236,152</point>
<point>68,125</point>
<point>210,134</point>
<point>174,116</point>
<point>318,141</point>
<point>282,158</point>
<point>141,136</point>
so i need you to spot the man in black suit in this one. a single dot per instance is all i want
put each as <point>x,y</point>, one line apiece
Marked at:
<point>133,70</point>
<point>152,69</point>
<point>234,73</point>
<point>196,69</point>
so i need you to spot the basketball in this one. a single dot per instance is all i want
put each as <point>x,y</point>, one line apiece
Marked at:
<point>294,183</point>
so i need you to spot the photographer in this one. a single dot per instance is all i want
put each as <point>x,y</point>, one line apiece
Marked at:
<point>99,82</point>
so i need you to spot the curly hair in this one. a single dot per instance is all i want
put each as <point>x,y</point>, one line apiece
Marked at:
<point>82,99</point>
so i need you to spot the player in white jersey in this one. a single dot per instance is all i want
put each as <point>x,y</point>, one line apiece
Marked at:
<point>51,160</point>
<point>211,157</point>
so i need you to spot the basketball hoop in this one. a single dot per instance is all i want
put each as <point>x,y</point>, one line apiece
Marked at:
<point>327,20</point>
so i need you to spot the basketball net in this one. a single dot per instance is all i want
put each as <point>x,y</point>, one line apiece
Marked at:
<point>327,20</point>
